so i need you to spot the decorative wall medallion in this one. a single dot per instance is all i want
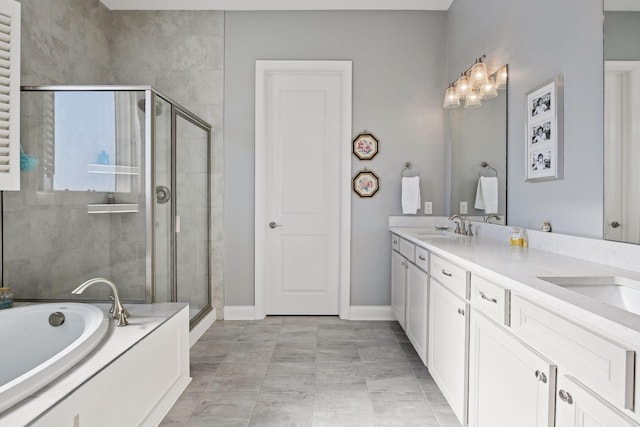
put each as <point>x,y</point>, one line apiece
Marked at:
<point>365,146</point>
<point>366,184</point>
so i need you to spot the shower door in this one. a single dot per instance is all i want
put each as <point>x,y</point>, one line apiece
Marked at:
<point>181,209</point>
<point>192,141</point>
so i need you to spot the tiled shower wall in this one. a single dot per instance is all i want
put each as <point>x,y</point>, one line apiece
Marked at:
<point>181,53</point>
<point>63,42</point>
<point>82,42</point>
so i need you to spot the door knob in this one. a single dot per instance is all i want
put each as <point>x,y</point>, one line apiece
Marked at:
<point>273,224</point>
<point>615,224</point>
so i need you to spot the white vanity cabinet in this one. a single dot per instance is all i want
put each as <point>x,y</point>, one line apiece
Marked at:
<point>510,384</point>
<point>578,407</point>
<point>398,286</point>
<point>410,291</point>
<point>448,337</point>
<point>417,309</point>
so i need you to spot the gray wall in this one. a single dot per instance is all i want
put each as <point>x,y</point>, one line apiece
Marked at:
<point>398,84</point>
<point>621,36</point>
<point>540,40</point>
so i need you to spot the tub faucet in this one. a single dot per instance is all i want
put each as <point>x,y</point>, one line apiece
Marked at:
<point>119,312</point>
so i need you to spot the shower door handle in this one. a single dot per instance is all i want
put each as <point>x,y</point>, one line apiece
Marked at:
<point>163,194</point>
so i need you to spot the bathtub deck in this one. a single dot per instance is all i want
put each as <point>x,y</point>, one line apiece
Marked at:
<point>145,318</point>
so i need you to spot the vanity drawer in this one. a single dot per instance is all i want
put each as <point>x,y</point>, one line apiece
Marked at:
<point>408,250</point>
<point>604,366</point>
<point>395,242</point>
<point>491,299</point>
<point>456,279</point>
<point>422,258</point>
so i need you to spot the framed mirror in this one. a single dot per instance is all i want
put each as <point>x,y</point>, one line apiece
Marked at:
<point>478,148</point>
<point>621,122</point>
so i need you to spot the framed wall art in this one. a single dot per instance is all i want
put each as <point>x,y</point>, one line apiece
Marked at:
<point>365,146</point>
<point>366,183</point>
<point>544,132</point>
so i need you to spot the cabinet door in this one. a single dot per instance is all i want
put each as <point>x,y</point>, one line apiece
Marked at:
<point>577,406</point>
<point>398,283</point>
<point>447,345</point>
<point>417,309</point>
<point>509,383</point>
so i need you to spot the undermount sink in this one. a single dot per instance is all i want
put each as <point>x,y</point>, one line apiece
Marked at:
<point>617,291</point>
<point>430,234</point>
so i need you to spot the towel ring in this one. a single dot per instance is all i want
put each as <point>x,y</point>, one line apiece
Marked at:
<point>407,166</point>
<point>488,166</point>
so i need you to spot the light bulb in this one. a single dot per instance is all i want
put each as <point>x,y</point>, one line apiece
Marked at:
<point>472,100</point>
<point>478,74</point>
<point>463,86</point>
<point>488,90</point>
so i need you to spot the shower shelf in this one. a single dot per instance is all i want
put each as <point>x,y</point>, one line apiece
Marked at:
<point>113,169</point>
<point>112,208</point>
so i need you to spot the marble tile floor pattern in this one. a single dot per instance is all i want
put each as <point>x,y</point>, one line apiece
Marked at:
<point>308,371</point>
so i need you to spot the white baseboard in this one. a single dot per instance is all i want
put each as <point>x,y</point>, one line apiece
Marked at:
<point>371,312</point>
<point>201,327</point>
<point>362,312</point>
<point>239,312</point>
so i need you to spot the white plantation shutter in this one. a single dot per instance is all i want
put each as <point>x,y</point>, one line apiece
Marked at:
<point>9,95</point>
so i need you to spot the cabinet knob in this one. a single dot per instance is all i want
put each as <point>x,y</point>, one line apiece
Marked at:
<point>395,241</point>
<point>461,311</point>
<point>541,377</point>
<point>565,397</point>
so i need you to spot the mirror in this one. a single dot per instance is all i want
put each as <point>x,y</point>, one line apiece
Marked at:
<point>478,137</point>
<point>621,123</point>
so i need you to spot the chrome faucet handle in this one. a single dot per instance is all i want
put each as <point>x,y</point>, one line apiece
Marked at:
<point>463,227</point>
<point>457,228</point>
<point>469,232</point>
<point>122,319</point>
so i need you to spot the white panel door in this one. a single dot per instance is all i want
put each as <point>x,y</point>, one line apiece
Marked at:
<point>417,310</point>
<point>303,138</point>
<point>509,383</point>
<point>398,286</point>
<point>577,406</point>
<point>447,345</point>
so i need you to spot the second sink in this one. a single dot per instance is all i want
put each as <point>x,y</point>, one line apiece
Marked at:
<point>617,291</point>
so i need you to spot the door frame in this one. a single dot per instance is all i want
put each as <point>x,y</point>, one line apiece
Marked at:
<point>270,67</point>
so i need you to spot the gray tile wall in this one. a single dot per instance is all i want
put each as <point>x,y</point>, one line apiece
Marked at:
<point>181,53</point>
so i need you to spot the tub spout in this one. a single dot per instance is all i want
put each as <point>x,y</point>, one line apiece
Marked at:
<point>119,312</point>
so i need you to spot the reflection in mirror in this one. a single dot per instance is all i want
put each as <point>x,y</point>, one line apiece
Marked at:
<point>621,125</point>
<point>478,137</point>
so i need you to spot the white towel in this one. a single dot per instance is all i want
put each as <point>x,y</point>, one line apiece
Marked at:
<point>410,195</point>
<point>487,194</point>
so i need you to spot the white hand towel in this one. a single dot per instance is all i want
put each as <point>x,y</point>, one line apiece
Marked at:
<point>410,195</point>
<point>487,194</point>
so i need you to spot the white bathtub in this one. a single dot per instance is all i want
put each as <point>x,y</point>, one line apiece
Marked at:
<point>34,352</point>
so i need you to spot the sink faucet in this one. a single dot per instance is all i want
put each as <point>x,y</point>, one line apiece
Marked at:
<point>460,227</point>
<point>119,312</point>
<point>492,216</point>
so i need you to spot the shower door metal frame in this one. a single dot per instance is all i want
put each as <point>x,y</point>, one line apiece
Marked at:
<point>178,111</point>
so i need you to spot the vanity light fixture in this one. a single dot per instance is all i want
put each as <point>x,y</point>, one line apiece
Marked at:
<point>451,99</point>
<point>501,78</point>
<point>462,85</point>
<point>474,85</point>
<point>473,100</point>
<point>478,73</point>
<point>488,90</point>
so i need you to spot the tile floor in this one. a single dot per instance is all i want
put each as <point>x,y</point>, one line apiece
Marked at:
<point>308,371</point>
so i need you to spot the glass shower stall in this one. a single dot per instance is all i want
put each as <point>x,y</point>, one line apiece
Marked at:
<point>114,183</point>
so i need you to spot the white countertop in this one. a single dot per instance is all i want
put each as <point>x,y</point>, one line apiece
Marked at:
<point>145,318</point>
<point>518,269</point>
